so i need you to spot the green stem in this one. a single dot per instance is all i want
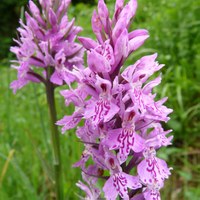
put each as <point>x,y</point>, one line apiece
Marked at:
<point>55,140</point>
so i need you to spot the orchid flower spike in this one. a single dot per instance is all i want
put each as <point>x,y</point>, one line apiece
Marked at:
<point>121,119</point>
<point>46,47</point>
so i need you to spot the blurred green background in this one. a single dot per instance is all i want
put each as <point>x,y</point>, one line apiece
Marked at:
<point>25,153</point>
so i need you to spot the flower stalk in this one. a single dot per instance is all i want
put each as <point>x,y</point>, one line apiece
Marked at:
<point>57,163</point>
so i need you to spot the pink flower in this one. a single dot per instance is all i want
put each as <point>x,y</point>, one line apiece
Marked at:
<point>122,121</point>
<point>46,42</point>
<point>125,139</point>
<point>104,108</point>
<point>152,168</point>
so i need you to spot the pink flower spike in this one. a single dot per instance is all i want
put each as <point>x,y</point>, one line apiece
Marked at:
<point>47,40</point>
<point>122,118</point>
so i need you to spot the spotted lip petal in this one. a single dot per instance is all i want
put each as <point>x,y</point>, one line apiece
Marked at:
<point>152,168</point>
<point>102,109</point>
<point>125,141</point>
<point>118,184</point>
<point>152,195</point>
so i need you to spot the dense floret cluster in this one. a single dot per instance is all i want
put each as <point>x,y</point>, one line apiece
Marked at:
<point>122,120</point>
<point>46,47</point>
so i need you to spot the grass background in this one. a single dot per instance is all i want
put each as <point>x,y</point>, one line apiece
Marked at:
<point>25,148</point>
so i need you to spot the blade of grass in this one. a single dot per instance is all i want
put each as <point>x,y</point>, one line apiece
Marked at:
<point>47,169</point>
<point>25,180</point>
<point>5,167</point>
